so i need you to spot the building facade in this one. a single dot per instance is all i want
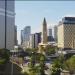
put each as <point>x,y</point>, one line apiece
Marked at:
<point>44,32</point>
<point>32,41</point>
<point>35,39</point>
<point>15,36</point>
<point>50,36</point>
<point>66,33</point>
<point>22,36</point>
<point>7,23</point>
<point>25,36</point>
<point>55,33</point>
<point>49,32</point>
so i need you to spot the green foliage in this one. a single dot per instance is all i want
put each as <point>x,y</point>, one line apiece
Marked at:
<point>70,64</point>
<point>28,49</point>
<point>42,65</point>
<point>35,70</point>
<point>4,55</point>
<point>32,73</point>
<point>25,73</point>
<point>55,70</point>
<point>57,65</point>
<point>61,63</point>
<point>34,49</point>
<point>2,61</point>
<point>50,50</point>
<point>38,57</point>
<point>4,58</point>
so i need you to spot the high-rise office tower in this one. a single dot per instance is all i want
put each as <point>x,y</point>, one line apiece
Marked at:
<point>49,32</point>
<point>44,32</point>
<point>35,39</point>
<point>32,41</point>
<point>50,36</point>
<point>15,36</point>
<point>25,36</point>
<point>55,33</point>
<point>22,36</point>
<point>7,23</point>
<point>66,33</point>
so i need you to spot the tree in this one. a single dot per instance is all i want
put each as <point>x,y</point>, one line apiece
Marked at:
<point>42,65</point>
<point>50,50</point>
<point>55,70</point>
<point>57,65</point>
<point>4,58</point>
<point>34,70</point>
<point>4,55</point>
<point>70,64</point>
<point>33,60</point>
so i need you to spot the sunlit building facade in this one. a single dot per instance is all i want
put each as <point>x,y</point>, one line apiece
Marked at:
<point>25,36</point>
<point>66,33</point>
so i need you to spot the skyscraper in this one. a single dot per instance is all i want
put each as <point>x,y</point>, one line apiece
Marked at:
<point>25,36</point>
<point>49,32</point>
<point>22,36</point>
<point>7,23</point>
<point>32,41</point>
<point>44,38</point>
<point>50,36</point>
<point>66,33</point>
<point>35,39</point>
<point>15,36</point>
<point>55,33</point>
<point>44,32</point>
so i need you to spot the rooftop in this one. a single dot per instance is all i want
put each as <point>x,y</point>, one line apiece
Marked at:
<point>67,20</point>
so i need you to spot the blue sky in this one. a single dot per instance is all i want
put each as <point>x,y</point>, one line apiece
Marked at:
<point>32,13</point>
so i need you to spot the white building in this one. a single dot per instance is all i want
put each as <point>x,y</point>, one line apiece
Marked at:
<point>35,39</point>
<point>7,23</point>
<point>25,36</point>
<point>32,41</point>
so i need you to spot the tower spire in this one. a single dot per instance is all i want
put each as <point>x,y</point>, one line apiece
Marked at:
<point>44,21</point>
<point>44,32</point>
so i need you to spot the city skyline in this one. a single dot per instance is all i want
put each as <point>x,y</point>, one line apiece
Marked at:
<point>31,13</point>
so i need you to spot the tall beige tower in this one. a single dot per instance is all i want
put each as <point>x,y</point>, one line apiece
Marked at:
<point>44,42</point>
<point>44,32</point>
<point>66,33</point>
